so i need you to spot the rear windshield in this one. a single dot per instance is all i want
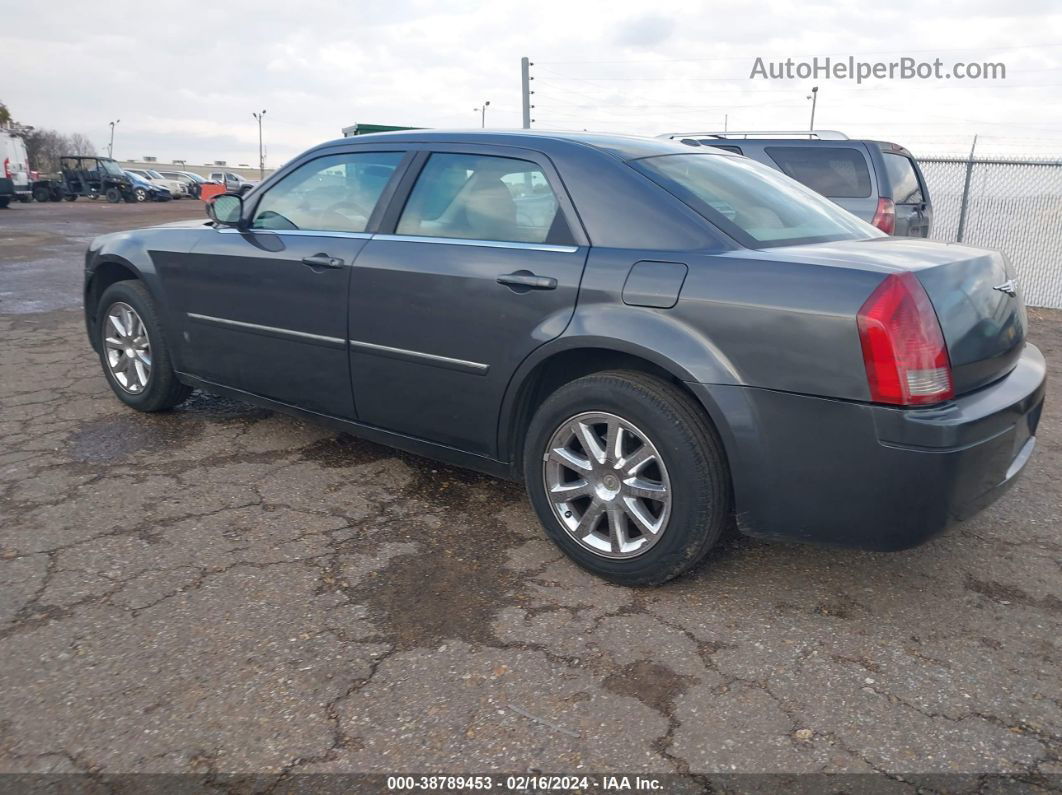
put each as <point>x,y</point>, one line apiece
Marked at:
<point>835,171</point>
<point>752,202</point>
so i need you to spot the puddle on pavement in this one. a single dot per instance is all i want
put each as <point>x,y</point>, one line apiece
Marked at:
<point>113,438</point>
<point>451,588</point>
<point>345,450</point>
<point>119,436</point>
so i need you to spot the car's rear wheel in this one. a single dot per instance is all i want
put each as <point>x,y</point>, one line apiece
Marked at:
<point>71,198</point>
<point>133,349</point>
<point>4,201</point>
<point>42,194</point>
<point>114,195</point>
<point>627,476</point>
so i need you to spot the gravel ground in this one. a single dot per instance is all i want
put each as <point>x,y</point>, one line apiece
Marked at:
<point>223,589</point>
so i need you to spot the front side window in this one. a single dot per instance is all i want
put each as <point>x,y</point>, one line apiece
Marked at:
<point>753,202</point>
<point>836,171</point>
<point>478,197</point>
<point>906,189</point>
<point>336,193</point>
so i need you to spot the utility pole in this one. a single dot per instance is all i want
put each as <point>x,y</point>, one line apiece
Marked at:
<point>814,97</point>
<point>110,146</point>
<point>483,113</point>
<point>525,91</point>
<point>726,120</point>
<point>261,151</point>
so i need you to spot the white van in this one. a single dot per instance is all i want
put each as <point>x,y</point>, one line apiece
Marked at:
<point>14,179</point>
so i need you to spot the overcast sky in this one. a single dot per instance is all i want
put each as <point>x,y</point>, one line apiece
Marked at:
<point>184,77</point>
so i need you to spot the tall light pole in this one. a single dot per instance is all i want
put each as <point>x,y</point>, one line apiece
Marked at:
<point>261,152</point>
<point>110,146</point>
<point>483,113</point>
<point>814,97</point>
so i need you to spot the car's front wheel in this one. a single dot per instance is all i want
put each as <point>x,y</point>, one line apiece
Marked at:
<point>133,349</point>
<point>627,476</point>
<point>141,194</point>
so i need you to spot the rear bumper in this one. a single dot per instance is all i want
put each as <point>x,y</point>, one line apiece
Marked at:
<point>854,474</point>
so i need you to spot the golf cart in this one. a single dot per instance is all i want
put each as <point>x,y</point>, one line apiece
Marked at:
<point>92,176</point>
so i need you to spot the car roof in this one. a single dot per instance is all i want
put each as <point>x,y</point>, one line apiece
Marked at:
<point>625,147</point>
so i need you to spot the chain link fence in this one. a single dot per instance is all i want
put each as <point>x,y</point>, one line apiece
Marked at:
<point>1014,206</point>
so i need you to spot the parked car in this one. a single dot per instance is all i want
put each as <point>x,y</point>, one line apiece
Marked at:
<point>192,182</point>
<point>144,190</point>
<point>91,177</point>
<point>15,179</point>
<point>175,187</point>
<point>878,181</point>
<point>232,181</point>
<point>688,336</point>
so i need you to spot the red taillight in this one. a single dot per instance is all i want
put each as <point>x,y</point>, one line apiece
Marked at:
<point>903,347</point>
<point>885,216</point>
<point>7,167</point>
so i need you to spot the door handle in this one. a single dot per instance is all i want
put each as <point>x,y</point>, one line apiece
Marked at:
<point>521,281</point>
<point>322,261</point>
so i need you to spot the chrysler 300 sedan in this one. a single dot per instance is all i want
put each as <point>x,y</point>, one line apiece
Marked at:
<point>658,341</point>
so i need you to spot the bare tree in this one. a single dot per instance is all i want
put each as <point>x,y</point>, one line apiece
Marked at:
<point>80,145</point>
<point>44,148</point>
<point>5,115</point>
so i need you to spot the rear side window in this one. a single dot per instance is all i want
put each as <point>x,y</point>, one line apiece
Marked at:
<point>906,189</point>
<point>834,171</point>
<point>336,193</point>
<point>752,202</point>
<point>479,197</point>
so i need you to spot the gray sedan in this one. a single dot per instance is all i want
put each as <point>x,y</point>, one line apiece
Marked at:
<point>656,339</point>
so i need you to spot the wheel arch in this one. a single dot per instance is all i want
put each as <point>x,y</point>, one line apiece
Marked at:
<point>109,269</point>
<point>554,365</point>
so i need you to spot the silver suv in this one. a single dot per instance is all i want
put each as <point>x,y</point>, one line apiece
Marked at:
<point>878,181</point>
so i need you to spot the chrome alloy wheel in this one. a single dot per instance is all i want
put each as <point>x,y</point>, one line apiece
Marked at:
<point>128,348</point>
<point>608,484</point>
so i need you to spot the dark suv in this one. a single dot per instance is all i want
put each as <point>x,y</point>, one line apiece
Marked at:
<point>878,181</point>
<point>656,338</point>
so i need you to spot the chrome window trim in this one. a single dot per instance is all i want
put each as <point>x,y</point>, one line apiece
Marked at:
<point>459,241</point>
<point>231,230</point>
<point>463,365</point>
<point>287,332</point>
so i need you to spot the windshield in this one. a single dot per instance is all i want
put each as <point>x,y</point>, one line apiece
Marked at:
<point>751,202</point>
<point>154,174</point>
<point>111,168</point>
<point>136,178</point>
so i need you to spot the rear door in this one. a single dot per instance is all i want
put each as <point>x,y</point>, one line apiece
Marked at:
<point>907,190</point>
<point>265,309</point>
<point>840,172</point>
<point>482,266</point>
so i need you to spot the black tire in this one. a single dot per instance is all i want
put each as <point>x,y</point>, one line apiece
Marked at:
<point>114,195</point>
<point>42,194</point>
<point>4,201</point>
<point>163,390</point>
<point>71,198</point>
<point>25,198</point>
<point>140,194</point>
<point>691,449</point>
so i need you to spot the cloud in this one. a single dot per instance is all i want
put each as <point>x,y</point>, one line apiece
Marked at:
<point>184,78</point>
<point>644,31</point>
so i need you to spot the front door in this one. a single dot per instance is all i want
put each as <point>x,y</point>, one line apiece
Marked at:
<point>264,309</point>
<point>482,268</point>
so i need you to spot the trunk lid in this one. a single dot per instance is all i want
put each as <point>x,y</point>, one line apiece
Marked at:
<point>984,325</point>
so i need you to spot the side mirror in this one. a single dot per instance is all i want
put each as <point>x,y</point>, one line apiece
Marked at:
<point>226,209</point>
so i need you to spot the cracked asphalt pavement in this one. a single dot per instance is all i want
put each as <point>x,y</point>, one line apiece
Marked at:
<point>221,589</point>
